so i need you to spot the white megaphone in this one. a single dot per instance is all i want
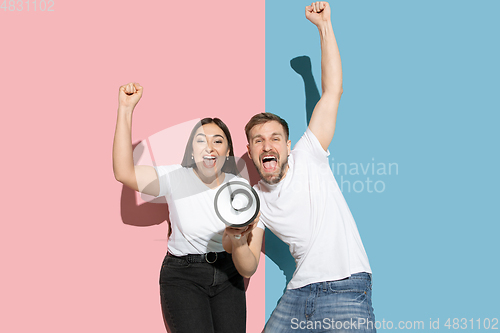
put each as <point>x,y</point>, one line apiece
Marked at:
<point>236,204</point>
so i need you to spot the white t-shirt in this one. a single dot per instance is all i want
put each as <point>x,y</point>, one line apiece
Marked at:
<point>196,229</point>
<point>308,212</point>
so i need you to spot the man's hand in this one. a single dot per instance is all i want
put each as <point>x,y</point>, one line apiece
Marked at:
<point>318,12</point>
<point>129,95</point>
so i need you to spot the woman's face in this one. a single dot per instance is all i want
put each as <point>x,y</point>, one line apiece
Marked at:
<point>210,148</point>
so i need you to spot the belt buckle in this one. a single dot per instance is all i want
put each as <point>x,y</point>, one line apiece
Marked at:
<point>209,261</point>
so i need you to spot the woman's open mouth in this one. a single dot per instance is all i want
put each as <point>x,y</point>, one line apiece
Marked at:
<point>209,161</point>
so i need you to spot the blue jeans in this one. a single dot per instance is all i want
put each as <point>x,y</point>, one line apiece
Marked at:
<point>202,297</point>
<point>331,306</point>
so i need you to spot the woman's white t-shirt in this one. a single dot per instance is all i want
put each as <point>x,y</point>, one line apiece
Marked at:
<point>196,229</point>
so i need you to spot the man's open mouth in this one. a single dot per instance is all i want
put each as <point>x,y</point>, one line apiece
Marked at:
<point>269,162</point>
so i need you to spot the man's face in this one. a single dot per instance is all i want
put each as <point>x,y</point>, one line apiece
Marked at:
<point>269,149</point>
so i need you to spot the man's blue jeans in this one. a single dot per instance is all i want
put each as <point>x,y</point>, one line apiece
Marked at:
<point>332,306</point>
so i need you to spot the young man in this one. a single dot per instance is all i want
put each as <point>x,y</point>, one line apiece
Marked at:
<point>302,204</point>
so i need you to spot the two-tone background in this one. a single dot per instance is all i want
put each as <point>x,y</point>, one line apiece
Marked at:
<point>415,151</point>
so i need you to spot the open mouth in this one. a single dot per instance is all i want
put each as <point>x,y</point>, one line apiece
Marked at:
<point>209,161</point>
<point>269,162</point>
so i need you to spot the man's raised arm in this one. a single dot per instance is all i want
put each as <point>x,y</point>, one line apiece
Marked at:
<point>324,116</point>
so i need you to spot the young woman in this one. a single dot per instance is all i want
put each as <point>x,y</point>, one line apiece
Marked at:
<point>200,288</point>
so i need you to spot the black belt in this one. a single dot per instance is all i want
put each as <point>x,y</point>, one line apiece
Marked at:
<point>210,257</point>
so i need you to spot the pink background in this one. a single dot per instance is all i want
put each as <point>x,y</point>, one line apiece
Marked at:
<point>74,258</point>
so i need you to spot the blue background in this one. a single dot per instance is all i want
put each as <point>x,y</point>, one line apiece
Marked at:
<point>420,90</point>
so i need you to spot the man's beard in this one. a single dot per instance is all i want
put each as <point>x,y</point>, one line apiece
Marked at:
<point>274,179</point>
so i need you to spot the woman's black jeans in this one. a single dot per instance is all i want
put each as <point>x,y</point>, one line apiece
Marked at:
<point>202,297</point>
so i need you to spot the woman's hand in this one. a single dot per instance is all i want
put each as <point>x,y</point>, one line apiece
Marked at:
<point>129,95</point>
<point>245,249</point>
<point>239,233</point>
<point>238,236</point>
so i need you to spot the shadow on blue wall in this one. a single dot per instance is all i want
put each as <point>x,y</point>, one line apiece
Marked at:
<point>302,66</point>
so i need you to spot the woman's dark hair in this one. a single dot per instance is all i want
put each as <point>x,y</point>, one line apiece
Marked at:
<point>229,165</point>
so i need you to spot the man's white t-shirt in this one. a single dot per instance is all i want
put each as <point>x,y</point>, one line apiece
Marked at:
<point>196,229</point>
<point>308,212</point>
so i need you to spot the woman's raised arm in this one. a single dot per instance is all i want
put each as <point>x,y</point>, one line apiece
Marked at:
<point>142,178</point>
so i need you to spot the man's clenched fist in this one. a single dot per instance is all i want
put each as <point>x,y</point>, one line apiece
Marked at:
<point>129,95</point>
<point>318,12</point>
